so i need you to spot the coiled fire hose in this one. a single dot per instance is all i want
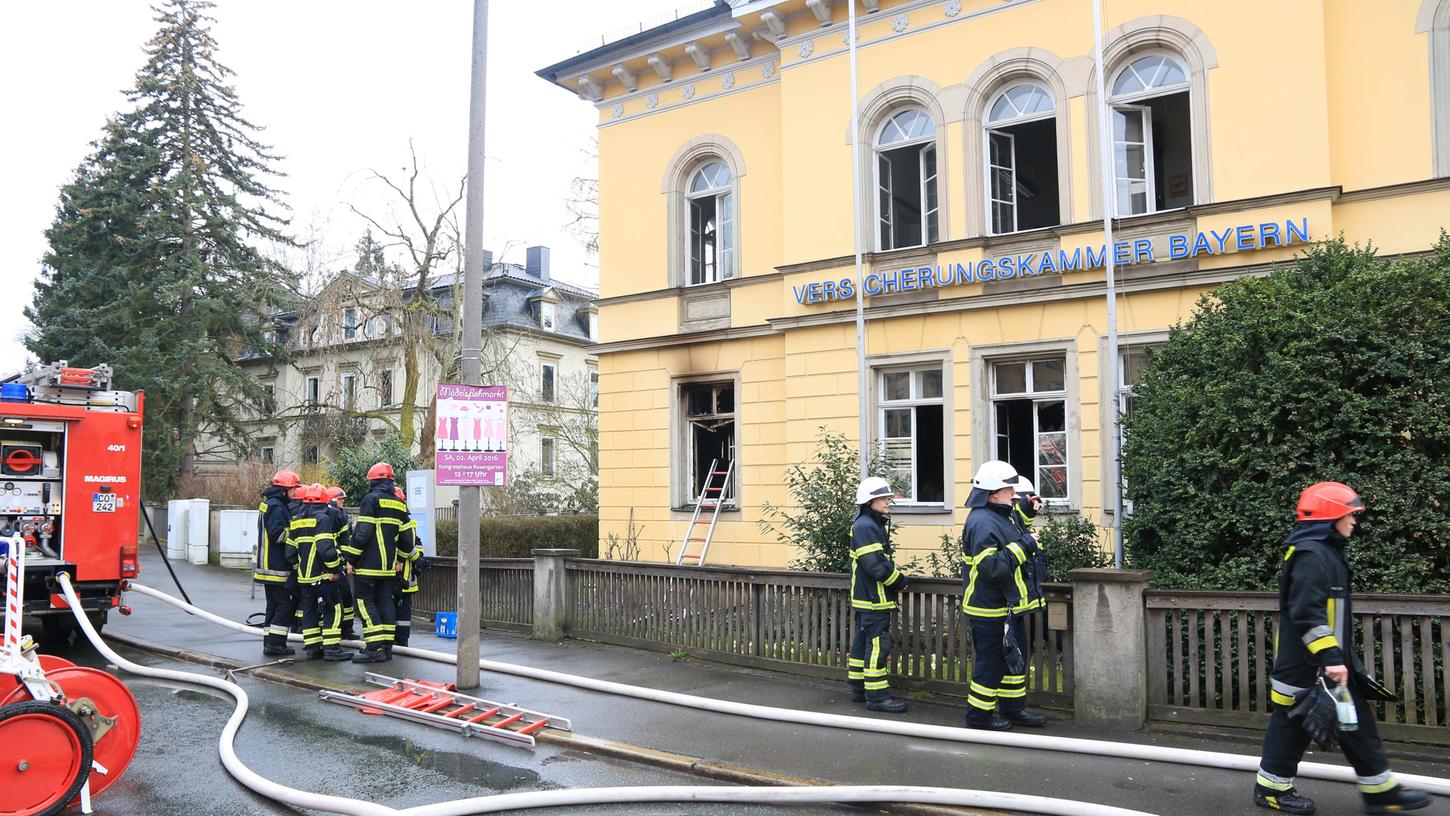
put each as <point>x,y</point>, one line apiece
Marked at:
<point>554,798</point>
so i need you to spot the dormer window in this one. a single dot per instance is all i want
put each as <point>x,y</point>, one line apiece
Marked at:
<point>546,315</point>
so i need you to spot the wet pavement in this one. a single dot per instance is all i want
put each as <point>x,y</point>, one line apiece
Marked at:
<point>403,763</point>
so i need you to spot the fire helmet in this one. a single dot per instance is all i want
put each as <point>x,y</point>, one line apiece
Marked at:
<point>287,478</point>
<point>995,475</point>
<point>335,493</point>
<point>872,488</point>
<point>1025,488</point>
<point>1328,501</point>
<point>314,494</point>
<point>382,470</point>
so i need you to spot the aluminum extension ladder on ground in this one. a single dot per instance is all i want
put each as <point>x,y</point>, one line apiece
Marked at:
<point>711,498</point>
<point>441,706</point>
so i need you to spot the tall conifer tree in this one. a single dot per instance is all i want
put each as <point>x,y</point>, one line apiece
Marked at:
<point>154,261</point>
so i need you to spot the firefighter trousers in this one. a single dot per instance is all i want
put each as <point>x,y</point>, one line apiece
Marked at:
<point>992,687</point>
<point>344,590</point>
<point>375,605</point>
<point>1285,742</point>
<point>321,615</point>
<point>280,609</point>
<point>869,662</point>
<point>403,603</point>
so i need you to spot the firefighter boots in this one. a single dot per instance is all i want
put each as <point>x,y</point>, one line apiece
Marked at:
<point>1026,719</point>
<point>1394,800</point>
<point>370,656</point>
<point>335,653</point>
<point>1289,801</point>
<point>888,705</point>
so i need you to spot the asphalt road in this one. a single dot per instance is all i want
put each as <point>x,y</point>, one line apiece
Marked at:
<point>292,737</point>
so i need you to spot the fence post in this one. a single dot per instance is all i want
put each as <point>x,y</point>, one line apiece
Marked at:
<point>551,597</point>
<point>1110,667</point>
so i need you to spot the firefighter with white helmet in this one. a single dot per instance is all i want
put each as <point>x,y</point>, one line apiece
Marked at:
<point>1026,504</point>
<point>1314,644</point>
<point>995,548</point>
<point>875,583</point>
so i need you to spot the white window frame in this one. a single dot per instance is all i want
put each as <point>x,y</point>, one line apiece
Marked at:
<point>1126,342</point>
<point>1037,398</point>
<point>929,195</point>
<point>267,454</point>
<point>594,326</point>
<point>916,398</point>
<point>1123,103</point>
<point>682,458</point>
<point>594,388</point>
<point>269,399</point>
<point>548,450</point>
<point>722,264</point>
<point>347,385</point>
<point>547,314</point>
<point>548,381</point>
<point>349,323</point>
<point>385,388</point>
<point>994,127</point>
<point>313,395</point>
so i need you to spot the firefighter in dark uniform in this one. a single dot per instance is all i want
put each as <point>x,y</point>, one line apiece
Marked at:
<point>995,550</point>
<point>336,496</point>
<point>272,569</point>
<point>875,583</point>
<point>381,536</point>
<point>1314,639</point>
<point>313,538</point>
<point>406,585</point>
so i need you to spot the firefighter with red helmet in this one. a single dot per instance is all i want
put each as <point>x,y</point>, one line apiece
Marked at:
<point>406,586</point>
<point>382,535</point>
<point>1314,641</point>
<point>335,498</point>
<point>272,569</point>
<point>313,538</point>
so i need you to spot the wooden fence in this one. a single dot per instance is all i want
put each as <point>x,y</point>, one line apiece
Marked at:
<point>794,621</point>
<point>1210,653</point>
<point>506,586</point>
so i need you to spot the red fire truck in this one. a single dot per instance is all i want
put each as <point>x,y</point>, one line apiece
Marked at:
<point>70,484</point>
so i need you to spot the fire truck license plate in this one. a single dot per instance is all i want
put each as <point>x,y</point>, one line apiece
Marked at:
<point>103,502</point>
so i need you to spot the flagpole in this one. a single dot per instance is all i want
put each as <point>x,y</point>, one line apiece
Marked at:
<point>862,386</point>
<point>1109,367</point>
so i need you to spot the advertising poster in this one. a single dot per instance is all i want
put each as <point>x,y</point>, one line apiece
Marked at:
<point>471,437</point>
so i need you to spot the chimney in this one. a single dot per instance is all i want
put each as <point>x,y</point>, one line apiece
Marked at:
<point>537,262</point>
<point>487,260</point>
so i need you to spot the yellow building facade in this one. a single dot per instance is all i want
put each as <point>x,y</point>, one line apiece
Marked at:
<point>1240,133</point>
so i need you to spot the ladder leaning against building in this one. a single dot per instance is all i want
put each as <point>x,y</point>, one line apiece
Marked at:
<point>712,496</point>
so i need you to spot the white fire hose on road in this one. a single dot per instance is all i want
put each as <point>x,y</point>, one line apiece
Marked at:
<point>1120,750</point>
<point>896,794</point>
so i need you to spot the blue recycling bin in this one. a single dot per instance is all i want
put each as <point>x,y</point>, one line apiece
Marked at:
<point>445,624</point>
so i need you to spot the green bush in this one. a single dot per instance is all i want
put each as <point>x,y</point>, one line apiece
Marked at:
<point>1070,542</point>
<point>822,505</point>
<point>1331,369</point>
<point>519,536</point>
<point>350,470</point>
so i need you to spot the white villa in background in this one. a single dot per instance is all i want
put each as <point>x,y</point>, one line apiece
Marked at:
<point>347,373</point>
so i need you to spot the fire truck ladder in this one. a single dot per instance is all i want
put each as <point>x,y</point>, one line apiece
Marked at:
<point>441,706</point>
<point>711,498</point>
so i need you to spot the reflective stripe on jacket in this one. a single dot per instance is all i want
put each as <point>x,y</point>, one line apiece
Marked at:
<point>994,550</point>
<point>1314,610</point>
<point>272,566</point>
<point>382,533</point>
<point>875,580</point>
<point>314,540</point>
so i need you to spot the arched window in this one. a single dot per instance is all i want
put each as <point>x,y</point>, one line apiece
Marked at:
<point>906,192</point>
<point>1021,157</point>
<point>710,240</point>
<point>1152,134</point>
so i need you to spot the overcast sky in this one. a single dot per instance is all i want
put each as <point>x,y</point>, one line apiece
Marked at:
<point>340,86</point>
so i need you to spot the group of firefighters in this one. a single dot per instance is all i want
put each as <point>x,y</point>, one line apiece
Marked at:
<point>1004,565</point>
<point>321,573</point>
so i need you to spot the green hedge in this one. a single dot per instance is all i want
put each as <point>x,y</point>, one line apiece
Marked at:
<point>519,536</point>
